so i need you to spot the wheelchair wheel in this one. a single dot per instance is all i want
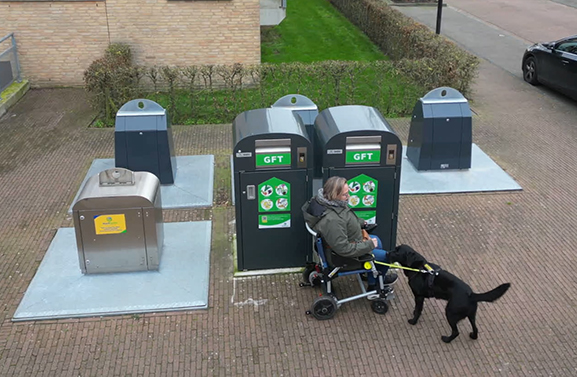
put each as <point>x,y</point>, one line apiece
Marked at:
<point>312,276</point>
<point>379,307</point>
<point>324,307</point>
<point>315,278</point>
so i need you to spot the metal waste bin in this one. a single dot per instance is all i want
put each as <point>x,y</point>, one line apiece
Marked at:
<point>118,222</point>
<point>272,179</point>
<point>143,140</point>
<point>441,135</point>
<point>308,111</point>
<point>358,144</point>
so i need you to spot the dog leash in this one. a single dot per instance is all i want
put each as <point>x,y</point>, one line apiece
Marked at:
<point>428,269</point>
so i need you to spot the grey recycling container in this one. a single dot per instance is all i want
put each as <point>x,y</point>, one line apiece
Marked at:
<point>143,140</point>
<point>272,172</point>
<point>118,222</point>
<point>357,143</point>
<point>441,135</point>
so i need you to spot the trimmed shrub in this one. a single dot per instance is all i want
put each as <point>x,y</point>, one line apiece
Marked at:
<point>113,79</point>
<point>216,94</point>
<point>420,54</point>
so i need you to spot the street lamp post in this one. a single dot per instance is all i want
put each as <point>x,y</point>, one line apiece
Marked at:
<point>439,13</point>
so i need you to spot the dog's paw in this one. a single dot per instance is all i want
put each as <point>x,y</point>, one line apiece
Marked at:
<point>412,321</point>
<point>446,339</point>
<point>473,335</point>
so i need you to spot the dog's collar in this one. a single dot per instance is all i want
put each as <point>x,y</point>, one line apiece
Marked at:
<point>431,270</point>
<point>427,269</point>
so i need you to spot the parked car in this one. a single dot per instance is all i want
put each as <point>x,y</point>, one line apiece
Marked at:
<point>553,64</point>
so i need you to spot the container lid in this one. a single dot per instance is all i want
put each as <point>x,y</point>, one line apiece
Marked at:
<point>268,123</point>
<point>352,118</point>
<point>295,102</point>
<point>95,195</point>
<point>443,95</point>
<point>141,107</point>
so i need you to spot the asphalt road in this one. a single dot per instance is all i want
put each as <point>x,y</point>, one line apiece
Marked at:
<point>500,30</point>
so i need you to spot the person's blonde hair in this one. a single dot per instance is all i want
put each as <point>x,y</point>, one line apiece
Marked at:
<point>333,188</point>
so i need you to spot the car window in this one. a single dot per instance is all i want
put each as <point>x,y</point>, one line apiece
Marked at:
<point>569,45</point>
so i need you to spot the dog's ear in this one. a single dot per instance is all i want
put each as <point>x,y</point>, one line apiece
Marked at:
<point>396,255</point>
<point>413,258</point>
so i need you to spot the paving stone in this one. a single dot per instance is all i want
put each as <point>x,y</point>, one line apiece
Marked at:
<point>257,326</point>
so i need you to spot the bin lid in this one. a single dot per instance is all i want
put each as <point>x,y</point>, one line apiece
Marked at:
<point>443,94</point>
<point>141,115</point>
<point>341,119</point>
<point>100,193</point>
<point>140,107</point>
<point>296,102</point>
<point>272,122</point>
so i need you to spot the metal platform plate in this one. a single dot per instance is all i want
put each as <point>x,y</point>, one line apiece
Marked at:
<point>193,183</point>
<point>60,290</point>
<point>484,175</point>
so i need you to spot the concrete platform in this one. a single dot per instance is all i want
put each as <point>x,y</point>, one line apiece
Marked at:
<point>193,183</point>
<point>60,290</point>
<point>484,175</point>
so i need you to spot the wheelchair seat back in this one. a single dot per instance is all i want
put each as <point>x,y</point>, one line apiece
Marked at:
<point>335,260</point>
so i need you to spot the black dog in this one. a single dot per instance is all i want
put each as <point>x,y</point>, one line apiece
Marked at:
<point>443,285</point>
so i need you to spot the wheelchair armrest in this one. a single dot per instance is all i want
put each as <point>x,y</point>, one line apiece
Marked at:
<point>365,258</point>
<point>369,227</point>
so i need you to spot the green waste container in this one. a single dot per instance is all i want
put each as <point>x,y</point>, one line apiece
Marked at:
<point>272,174</point>
<point>358,144</point>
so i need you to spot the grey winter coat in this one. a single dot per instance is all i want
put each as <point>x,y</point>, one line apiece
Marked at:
<point>339,227</point>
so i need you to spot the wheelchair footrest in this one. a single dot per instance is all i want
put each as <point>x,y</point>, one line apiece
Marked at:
<point>388,295</point>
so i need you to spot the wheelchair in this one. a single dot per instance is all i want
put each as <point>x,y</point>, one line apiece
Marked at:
<point>328,266</point>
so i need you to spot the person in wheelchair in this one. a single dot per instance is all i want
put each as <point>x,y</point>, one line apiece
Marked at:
<point>328,213</point>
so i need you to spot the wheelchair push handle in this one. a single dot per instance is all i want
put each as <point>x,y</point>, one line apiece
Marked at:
<point>310,230</point>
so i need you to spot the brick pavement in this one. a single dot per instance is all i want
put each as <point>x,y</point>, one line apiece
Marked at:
<point>256,326</point>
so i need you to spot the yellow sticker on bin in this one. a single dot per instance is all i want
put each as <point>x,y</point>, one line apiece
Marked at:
<point>110,224</point>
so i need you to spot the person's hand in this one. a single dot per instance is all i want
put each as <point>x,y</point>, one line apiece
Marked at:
<point>375,242</point>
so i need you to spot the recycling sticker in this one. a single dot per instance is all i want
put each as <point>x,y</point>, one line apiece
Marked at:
<point>369,216</point>
<point>274,196</point>
<point>363,192</point>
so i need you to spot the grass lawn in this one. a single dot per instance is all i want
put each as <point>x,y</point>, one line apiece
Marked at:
<point>314,30</point>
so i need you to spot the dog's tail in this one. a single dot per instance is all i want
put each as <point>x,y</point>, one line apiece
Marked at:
<point>491,295</point>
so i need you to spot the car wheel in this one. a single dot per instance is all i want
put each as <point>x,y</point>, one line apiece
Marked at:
<point>530,71</point>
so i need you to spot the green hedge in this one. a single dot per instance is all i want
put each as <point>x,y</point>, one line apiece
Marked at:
<point>217,93</point>
<point>429,59</point>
